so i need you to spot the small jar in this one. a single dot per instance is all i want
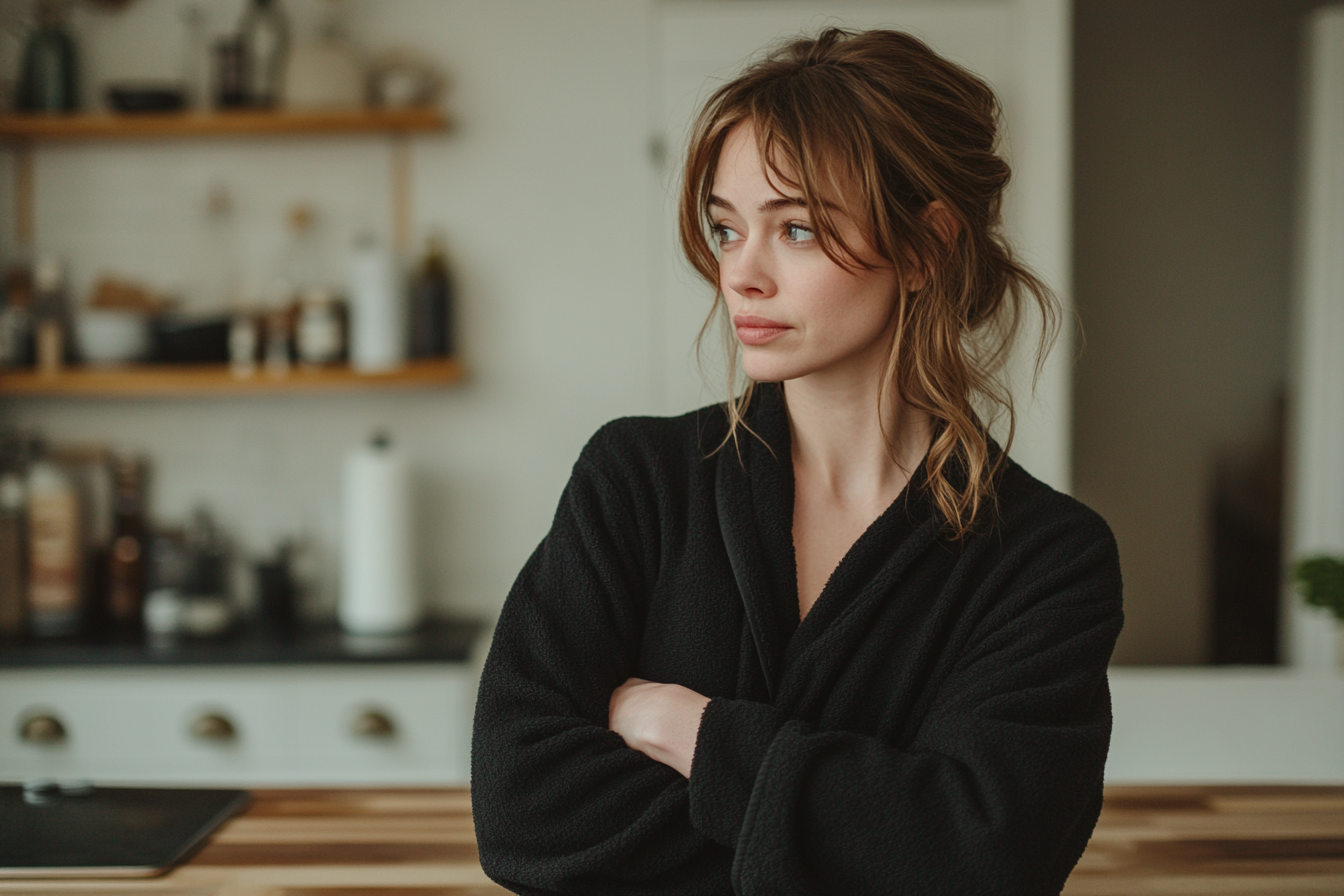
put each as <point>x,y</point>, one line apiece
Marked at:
<point>243,345</point>
<point>319,328</point>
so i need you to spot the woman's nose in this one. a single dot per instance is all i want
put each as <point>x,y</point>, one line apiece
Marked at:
<point>748,271</point>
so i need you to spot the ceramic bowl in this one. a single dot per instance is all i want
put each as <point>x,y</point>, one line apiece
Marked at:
<point>107,336</point>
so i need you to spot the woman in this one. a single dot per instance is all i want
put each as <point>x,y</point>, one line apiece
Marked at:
<point>826,638</point>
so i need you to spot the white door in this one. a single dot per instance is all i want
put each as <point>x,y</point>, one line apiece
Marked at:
<point>1020,46</point>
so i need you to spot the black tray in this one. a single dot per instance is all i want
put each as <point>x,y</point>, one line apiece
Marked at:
<point>108,831</point>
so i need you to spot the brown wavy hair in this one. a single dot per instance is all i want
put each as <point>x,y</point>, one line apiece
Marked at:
<point>881,125</point>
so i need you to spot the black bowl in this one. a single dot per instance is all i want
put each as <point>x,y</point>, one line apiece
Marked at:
<point>146,98</point>
<point>183,339</point>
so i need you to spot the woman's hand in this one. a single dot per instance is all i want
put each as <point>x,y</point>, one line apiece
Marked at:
<point>659,720</point>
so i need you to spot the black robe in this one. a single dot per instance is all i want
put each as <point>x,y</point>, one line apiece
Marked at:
<point>938,723</point>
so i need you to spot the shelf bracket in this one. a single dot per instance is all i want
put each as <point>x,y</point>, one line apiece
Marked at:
<point>401,195</point>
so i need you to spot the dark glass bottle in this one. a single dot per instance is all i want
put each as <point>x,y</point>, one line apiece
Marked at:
<point>126,574</point>
<point>432,331</point>
<point>16,319</point>
<point>49,79</point>
<point>13,538</point>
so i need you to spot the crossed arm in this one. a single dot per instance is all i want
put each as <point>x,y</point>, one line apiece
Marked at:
<point>659,720</point>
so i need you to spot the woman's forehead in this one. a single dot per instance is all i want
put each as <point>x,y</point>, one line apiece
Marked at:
<point>744,163</point>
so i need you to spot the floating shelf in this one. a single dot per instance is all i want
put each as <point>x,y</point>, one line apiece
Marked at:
<point>219,124</point>
<point>205,380</point>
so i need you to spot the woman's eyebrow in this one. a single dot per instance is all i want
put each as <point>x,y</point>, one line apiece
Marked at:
<point>769,205</point>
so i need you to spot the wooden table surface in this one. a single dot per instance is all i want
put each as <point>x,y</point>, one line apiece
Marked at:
<point>1192,841</point>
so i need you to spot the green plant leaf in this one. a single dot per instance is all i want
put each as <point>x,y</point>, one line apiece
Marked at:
<point>1321,581</point>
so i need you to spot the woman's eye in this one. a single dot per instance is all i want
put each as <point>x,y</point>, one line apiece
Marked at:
<point>798,233</point>
<point>725,234</point>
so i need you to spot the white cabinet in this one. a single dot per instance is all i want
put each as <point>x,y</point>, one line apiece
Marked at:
<point>344,724</point>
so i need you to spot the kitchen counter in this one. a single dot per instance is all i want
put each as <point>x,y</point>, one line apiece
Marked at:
<point>1195,841</point>
<point>322,843</point>
<point>437,641</point>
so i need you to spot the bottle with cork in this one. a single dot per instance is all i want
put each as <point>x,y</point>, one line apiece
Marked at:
<point>51,316</point>
<point>55,550</point>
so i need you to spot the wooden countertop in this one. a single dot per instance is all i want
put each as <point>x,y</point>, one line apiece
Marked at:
<point>1193,841</point>
<point>321,843</point>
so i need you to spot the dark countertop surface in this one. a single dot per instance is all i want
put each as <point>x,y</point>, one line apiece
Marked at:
<point>438,641</point>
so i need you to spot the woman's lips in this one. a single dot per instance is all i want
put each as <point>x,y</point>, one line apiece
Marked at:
<point>753,330</point>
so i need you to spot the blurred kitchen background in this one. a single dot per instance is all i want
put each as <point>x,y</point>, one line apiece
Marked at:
<point>273,267</point>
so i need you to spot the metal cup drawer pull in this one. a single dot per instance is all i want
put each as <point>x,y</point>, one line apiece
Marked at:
<point>43,728</point>
<point>374,725</point>
<point>215,727</point>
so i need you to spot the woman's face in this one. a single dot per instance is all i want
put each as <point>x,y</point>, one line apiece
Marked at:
<point>795,312</point>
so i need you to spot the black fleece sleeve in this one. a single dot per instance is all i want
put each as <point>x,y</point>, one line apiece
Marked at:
<point>561,804</point>
<point>1002,780</point>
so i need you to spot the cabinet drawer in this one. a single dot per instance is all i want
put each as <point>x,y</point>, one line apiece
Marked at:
<point>275,724</point>
<point>384,722</point>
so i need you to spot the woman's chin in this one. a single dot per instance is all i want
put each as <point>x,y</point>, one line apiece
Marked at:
<point>772,370</point>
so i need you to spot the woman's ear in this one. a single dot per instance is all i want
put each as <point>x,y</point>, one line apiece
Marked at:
<point>943,221</point>
<point>948,229</point>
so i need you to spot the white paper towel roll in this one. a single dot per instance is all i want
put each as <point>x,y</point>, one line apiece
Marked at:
<point>378,589</point>
<point>377,309</point>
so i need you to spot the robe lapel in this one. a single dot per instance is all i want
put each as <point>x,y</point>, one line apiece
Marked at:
<point>868,575</point>
<point>754,497</point>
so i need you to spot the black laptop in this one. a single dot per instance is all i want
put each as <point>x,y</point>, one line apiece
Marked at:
<point>48,829</point>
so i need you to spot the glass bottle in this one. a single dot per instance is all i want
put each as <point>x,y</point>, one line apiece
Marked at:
<point>126,578</point>
<point>264,30</point>
<point>16,319</point>
<point>55,542</point>
<point>51,316</point>
<point>431,310</point>
<point>49,80</point>
<point>13,561</point>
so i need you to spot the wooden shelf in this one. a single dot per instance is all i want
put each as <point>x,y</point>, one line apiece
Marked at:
<point>206,380</point>
<point>219,124</point>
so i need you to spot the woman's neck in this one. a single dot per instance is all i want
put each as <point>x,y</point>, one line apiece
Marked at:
<point>839,439</point>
